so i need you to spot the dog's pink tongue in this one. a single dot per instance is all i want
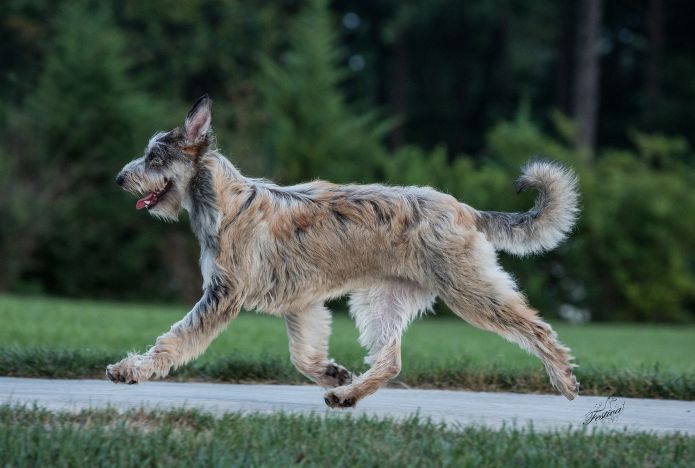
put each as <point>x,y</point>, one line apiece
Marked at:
<point>146,201</point>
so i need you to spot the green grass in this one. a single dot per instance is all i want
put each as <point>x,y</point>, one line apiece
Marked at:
<point>31,437</point>
<point>65,338</point>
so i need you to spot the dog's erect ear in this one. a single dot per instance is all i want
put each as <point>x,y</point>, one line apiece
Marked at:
<point>198,120</point>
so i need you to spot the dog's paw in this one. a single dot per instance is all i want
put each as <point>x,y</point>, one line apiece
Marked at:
<point>130,370</point>
<point>118,374</point>
<point>338,399</point>
<point>336,376</point>
<point>566,383</point>
<point>570,387</point>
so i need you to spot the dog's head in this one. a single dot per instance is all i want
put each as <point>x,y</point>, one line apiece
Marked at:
<point>170,162</point>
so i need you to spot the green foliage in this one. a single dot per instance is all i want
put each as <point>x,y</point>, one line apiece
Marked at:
<point>660,150</point>
<point>69,140</point>
<point>312,132</point>
<point>638,236</point>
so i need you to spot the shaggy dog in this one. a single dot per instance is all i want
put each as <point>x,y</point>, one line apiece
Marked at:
<point>285,251</point>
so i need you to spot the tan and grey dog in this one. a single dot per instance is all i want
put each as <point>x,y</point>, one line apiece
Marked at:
<point>285,251</point>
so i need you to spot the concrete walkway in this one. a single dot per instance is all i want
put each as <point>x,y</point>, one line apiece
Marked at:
<point>545,412</point>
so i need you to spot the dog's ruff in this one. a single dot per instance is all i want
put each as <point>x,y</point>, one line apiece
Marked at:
<point>285,251</point>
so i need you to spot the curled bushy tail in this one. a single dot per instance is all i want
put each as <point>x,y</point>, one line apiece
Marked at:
<point>547,223</point>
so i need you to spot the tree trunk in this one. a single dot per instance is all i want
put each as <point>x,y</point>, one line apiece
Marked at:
<point>398,90</point>
<point>563,68</point>
<point>655,33</point>
<point>586,87</point>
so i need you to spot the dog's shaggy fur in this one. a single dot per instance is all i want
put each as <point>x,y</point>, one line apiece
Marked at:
<point>286,250</point>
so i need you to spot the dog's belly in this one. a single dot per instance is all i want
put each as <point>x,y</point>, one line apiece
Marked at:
<point>276,301</point>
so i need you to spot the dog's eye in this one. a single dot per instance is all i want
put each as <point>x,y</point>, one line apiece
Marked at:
<point>155,159</point>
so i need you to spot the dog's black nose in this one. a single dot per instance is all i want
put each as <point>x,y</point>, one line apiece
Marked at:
<point>119,179</point>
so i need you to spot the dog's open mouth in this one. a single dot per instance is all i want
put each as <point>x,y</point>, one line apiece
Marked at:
<point>152,198</point>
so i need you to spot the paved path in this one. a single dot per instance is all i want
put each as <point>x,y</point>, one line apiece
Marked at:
<point>545,412</point>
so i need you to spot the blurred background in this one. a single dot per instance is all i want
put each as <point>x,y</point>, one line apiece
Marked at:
<point>452,94</point>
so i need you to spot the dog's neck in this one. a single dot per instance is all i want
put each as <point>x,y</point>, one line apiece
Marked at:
<point>202,202</point>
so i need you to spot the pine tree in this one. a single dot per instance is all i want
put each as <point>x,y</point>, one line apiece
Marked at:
<point>84,120</point>
<point>312,132</point>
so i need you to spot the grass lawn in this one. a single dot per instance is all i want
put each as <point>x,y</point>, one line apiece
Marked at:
<point>30,437</point>
<point>437,351</point>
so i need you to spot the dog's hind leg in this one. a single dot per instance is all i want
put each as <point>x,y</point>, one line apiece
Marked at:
<point>308,333</point>
<point>186,339</point>
<point>476,289</point>
<point>382,313</point>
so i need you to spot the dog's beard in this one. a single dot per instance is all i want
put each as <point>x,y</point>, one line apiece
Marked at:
<point>150,200</point>
<point>168,206</point>
<point>165,210</point>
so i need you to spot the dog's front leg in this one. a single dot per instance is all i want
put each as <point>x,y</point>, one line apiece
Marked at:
<point>186,340</point>
<point>308,333</point>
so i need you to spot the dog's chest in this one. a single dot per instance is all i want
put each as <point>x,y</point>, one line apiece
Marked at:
<point>208,266</point>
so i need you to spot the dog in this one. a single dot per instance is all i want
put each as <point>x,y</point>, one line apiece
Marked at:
<point>285,251</point>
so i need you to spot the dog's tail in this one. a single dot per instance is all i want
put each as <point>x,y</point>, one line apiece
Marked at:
<point>547,223</point>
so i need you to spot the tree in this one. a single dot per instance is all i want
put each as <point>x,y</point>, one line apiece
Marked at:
<point>586,88</point>
<point>83,121</point>
<point>312,132</point>
<point>652,70</point>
